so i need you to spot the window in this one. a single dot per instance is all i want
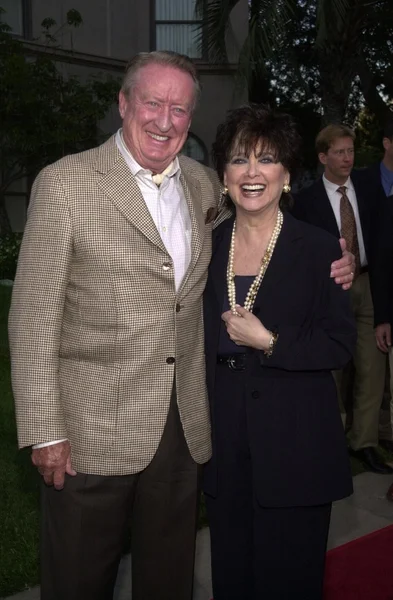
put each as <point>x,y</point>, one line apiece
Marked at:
<point>177,28</point>
<point>195,148</point>
<point>16,15</point>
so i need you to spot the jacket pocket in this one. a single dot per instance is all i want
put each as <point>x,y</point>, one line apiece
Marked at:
<point>89,395</point>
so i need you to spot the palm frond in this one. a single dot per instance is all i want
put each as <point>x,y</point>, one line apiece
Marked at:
<point>211,34</point>
<point>330,15</point>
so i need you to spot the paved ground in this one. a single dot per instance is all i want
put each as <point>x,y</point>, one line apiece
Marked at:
<point>366,511</point>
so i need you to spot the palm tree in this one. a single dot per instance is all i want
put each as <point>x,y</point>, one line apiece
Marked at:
<point>323,52</point>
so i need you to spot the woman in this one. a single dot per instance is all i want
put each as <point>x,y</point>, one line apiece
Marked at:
<point>276,325</point>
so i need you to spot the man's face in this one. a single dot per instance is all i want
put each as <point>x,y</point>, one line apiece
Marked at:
<point>338,160</point>
<point>388,147</point>
<point>157,115</point>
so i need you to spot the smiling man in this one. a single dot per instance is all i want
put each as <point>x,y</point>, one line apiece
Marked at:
<point>107,344</point>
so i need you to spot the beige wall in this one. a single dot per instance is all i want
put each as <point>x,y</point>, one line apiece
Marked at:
<point>112,32</point>
<point>117,29</point>
<point>111,28</point>
<point>219,94</point>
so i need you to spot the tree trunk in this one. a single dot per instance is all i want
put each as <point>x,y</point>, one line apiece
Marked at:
<point>373,98</point>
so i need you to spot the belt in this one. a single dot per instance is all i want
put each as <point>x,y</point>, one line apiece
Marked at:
<point>363,270</point>
<point>236,362</point>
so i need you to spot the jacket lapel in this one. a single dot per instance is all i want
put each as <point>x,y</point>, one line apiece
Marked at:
<point>192,194</point>
<point>218,271</point>
<point>363,205</point>
<point>324,208</point>
<point>120,186</point>
<point>285,255</point>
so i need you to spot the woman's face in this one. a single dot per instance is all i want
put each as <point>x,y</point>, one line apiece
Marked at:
<point>255,182</point>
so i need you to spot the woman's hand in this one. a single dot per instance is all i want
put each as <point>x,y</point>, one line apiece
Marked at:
<point>245,329</point>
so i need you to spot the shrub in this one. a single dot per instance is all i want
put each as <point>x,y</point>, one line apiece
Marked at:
<point>9,251</point>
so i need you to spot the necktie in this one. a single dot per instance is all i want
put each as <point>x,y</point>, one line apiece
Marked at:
<point>348,227</point>
<point>159,177</point>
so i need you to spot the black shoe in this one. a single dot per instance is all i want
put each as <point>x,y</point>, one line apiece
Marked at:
<point>386,445</point>
<point>369,458</point>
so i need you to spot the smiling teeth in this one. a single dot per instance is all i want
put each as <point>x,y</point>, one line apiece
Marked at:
<point>253,188</point>
<point>160,138</point>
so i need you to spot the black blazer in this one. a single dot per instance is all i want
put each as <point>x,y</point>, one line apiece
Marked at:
<point>296,435</point>
<point>312,205</point>
<point>370,179</point>
<point>381,276</point>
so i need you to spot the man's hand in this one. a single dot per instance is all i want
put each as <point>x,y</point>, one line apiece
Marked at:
<point>53,462</point>
<point>342,270</point>
<point>383,335</point>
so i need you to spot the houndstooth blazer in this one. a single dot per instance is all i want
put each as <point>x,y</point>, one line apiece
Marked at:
<point>95,320</point>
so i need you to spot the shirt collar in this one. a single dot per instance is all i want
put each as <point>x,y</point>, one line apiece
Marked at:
<point>385,171</point>
<point>136,168</point>
<point>333,187</point>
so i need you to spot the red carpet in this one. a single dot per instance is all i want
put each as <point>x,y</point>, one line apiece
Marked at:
<point>361,569</point>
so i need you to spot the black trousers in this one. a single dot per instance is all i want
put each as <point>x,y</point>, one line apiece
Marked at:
<point>258,553</point>
<point>84,526</point>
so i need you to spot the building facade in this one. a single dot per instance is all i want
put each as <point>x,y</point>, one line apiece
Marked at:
<point>113,31</point>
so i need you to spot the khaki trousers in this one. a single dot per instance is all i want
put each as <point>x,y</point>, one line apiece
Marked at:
<point>369,366</point>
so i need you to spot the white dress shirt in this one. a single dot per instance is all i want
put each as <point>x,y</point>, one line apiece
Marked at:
<point>335,199</point>
<point>168,208</point>
<point>169,211</point>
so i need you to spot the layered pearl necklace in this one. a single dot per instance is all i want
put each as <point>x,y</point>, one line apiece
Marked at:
<point>254,287</point>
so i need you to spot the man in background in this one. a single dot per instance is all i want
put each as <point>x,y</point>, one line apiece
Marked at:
<point>378,181</point>
<point>339,204</point>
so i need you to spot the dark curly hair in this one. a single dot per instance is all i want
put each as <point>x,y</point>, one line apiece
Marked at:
<point>257,126</point>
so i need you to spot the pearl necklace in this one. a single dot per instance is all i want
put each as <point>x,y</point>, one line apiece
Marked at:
<point>254,287</point>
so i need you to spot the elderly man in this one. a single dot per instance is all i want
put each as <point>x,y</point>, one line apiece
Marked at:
<point>107,344</point>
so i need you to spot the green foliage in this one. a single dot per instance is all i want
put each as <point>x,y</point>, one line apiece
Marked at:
<point>368,139</point>
<point>74,18</point>
<point>45,114</point>
<point>9,252</point>
<point>19,507</point>
<point>331,55</point>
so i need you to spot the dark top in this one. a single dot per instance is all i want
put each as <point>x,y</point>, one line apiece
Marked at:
<point>382,272</point>
<point>225,344</point>
<point>296,437</point>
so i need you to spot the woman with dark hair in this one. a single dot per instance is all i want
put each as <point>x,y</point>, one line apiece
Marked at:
<point>276,325</point>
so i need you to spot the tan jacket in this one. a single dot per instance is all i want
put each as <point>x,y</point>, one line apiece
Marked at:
<point>95,320</point>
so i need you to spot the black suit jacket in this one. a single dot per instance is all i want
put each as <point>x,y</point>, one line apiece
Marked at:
<point>370,179</point>
<point>312,205</point>
<point>296,435</point>
<point>382,273</point>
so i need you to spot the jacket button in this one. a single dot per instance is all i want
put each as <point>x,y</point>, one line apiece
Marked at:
<point>178,307</point>
<point>166,266</point>
<point>170,360</point>
<point>255,394</point>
